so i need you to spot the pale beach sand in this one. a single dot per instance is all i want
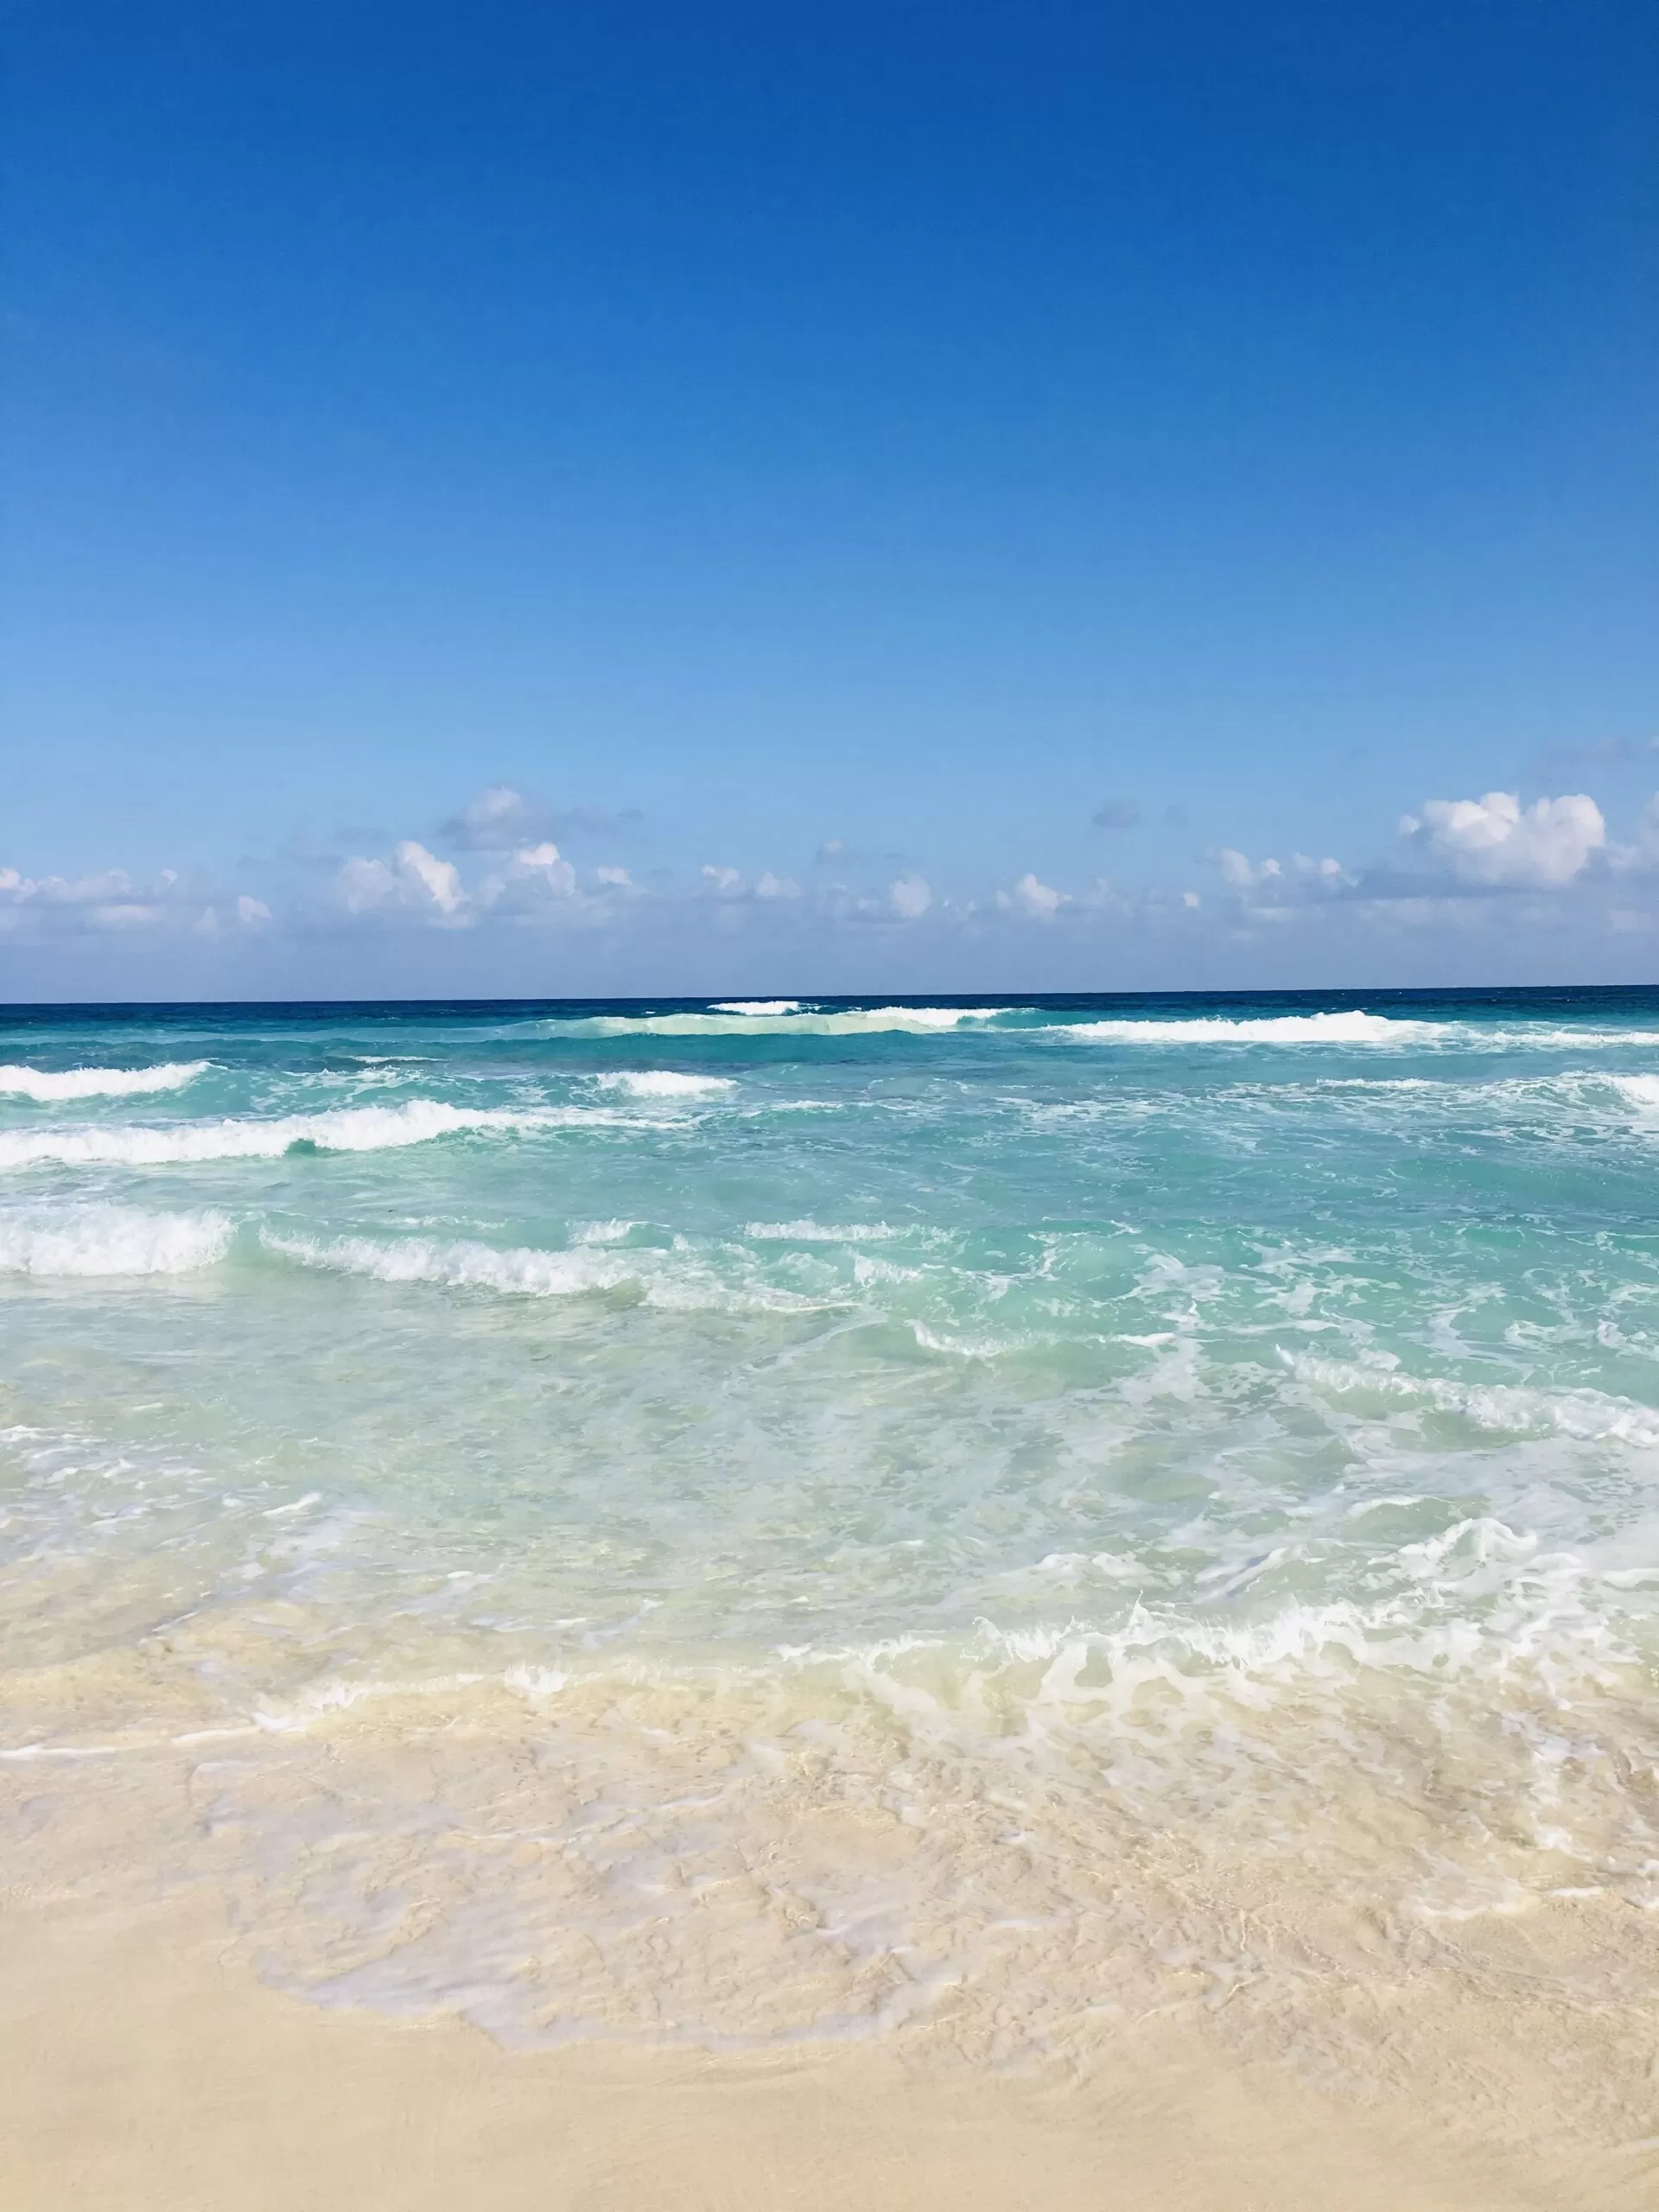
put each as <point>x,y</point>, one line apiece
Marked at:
<point>146,2067</point>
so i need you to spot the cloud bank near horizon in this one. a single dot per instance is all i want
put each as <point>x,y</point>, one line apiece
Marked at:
<point>1470,882</point>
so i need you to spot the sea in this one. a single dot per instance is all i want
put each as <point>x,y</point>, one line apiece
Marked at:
<point>744,1524</point>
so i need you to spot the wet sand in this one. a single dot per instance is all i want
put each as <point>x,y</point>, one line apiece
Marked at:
<point>147,2067</point>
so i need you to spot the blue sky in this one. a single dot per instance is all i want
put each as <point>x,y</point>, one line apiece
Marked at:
<point>921,497</point>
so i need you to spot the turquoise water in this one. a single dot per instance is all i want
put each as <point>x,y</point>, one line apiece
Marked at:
<point>1151,1414</point>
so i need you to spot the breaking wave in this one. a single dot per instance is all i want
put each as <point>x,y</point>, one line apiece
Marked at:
<point>1350,1028</point>
<point>676,1279</point>
<point>1505,1408</point>
<point>51,1084</point>
<point>665,1082</point>
<point>768,1019</point>
<point>112,1241</point>
<point>353,1128</point>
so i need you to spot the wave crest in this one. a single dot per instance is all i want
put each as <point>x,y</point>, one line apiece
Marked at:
<point>112,1241</point>
<point>1352,1028</point>
<point>665,1082</point>
<point>725,1021</point>
<point>51,1085</point>
<point>676,1279</point>
<point>349,1128</point>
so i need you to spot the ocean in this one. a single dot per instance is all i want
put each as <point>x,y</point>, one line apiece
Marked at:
<point>745,1523</point>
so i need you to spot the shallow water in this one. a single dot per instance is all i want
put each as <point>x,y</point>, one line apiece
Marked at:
<point>738,1523</point>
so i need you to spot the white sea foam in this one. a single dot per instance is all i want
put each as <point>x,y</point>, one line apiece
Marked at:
<point>852,1021</point>
<point>353,1129</point>
<point>1590,1416</point>
<point>816,1232</point>
<point>1532,1038</point>
<point>1352,1028</point>
<point>665,1082</point>
<point>678,1279</point>
<point>757,1006</point>
<point>52,1085</point>
<point>111,1240</point>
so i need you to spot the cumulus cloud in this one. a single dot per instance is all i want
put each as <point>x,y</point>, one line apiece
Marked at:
<point>1300,878</point>
<point>1238,873</point>
<point>110,902</point>
<point>529,882</point>
<point>726,881</point>
<point>414,880</point>
<point>777,887</point>
<point>616,879</point>
<point>1496,839</point>
<point>495,820</point>
<point>440,881</point>
<point>501,819</point>
<point>910,897</point>
<point>1039,901</point>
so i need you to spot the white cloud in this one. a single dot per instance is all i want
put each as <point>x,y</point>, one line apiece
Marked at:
<point>617,878</point>
<point>363,885</point>
<point>501,819</point>
<point>1327,871</point>
<point>1496,839</point>
<point>777,887</point>
<point>496,820</point>
<point>1302,878</point>
<point>414,880</point>
<point>251,911</point>
<point>528,880</point>
<point>88,891</point>
<point>108,903</point>
<point>541,865</point>
<point>439,880</point>
<point>726,881</point>
<point>1039,900</point>
<point>910,897</point>
<point>1238,873</point>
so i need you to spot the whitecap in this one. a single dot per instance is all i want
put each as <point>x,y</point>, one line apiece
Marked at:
<point>1352,1028</point>
<point>52,1084</point>
<point>356,1128</point>
<point>665,1082</point>
<point>111,1240</point>
<point>851,1021</point>
<point>753,1006</point>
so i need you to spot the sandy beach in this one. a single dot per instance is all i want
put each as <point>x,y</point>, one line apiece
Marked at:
<point>146,2067</point>
<point>866,1679</point>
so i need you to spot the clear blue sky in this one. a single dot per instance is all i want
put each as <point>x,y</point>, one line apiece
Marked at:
<point>733,429</point>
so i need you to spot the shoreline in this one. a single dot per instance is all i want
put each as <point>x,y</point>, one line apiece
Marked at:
<point>147,2068</point>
